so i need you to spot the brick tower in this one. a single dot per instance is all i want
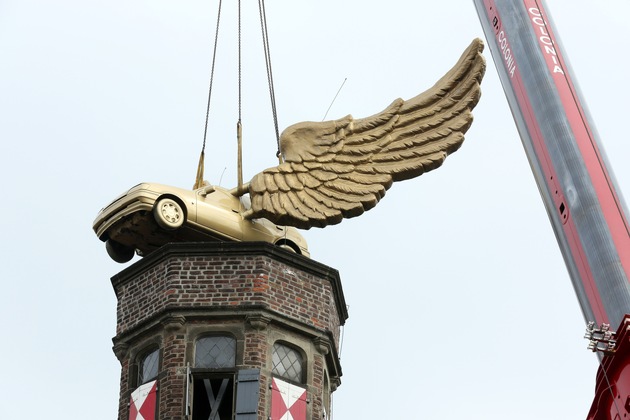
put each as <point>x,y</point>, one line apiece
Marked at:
<point>218,331</point>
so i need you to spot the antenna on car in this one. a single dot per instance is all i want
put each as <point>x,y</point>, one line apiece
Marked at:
<point>221,177</point>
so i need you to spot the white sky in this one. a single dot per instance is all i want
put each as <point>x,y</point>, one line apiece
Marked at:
<point>460,304</point>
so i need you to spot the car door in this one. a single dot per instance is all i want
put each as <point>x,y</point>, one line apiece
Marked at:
<point>218,212</point>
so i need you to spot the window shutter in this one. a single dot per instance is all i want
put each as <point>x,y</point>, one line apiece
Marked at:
<point>247,389</point>
<point>287,401</point>
<point>143,402</point>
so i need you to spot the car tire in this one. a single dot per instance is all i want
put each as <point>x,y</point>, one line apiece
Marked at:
<point>168,214</point>
<point>288,246</point>
<point>119,252</point>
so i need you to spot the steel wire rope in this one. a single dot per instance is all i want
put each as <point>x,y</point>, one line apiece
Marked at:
<point>200,167</point>
<point>240,87</point>
<point>239,125</point>
<point>214,60</point>
<point>272,94</point>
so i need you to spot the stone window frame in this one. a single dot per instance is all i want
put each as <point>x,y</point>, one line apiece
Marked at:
<point>326,395</point>
<point>136,358</point>
<point>304,374</point>
<point>214,373</point>
<point>196,332</point>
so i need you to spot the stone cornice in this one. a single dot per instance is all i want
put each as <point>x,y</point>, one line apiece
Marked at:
<point>322,339</point>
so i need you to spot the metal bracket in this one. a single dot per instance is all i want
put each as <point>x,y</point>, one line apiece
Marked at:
<point>600,339</point>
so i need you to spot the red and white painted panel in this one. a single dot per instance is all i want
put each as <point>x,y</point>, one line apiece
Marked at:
<point>288,401</point>
<point>143,402</point>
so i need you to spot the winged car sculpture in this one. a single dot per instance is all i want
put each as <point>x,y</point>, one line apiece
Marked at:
<point>331,170</point>
<point>339,169</point>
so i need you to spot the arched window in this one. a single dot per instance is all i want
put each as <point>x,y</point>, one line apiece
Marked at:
<point>287,363</point>
<point>215,352</point>
<point>148,366</point>
<point>288,381</point>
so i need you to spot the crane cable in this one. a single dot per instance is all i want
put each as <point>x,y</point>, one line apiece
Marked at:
<point>200,166</point>
<point>272,94</point>
<point>267,53</point>
<point>239,125</point>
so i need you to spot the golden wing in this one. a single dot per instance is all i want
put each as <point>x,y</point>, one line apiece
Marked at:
<point>339,169</point>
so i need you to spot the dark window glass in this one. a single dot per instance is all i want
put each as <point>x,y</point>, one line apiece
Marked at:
<point>287,363</point>
<point>213,397</point>
<point>149,367</point>
<point>215,352</point>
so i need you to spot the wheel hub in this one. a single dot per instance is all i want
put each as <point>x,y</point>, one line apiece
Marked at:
<point>170,212</point>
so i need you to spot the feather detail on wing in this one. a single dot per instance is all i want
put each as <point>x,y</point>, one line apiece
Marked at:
<point>339,169</point>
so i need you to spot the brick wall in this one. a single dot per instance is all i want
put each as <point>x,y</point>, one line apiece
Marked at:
<point>227,281</point>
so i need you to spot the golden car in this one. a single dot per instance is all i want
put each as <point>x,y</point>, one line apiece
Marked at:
<point>150,215</point>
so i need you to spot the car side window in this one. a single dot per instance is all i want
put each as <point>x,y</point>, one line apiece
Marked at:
<point>246,201</point>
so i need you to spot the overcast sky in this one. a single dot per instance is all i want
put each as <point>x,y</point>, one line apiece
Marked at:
<point>459,301</point>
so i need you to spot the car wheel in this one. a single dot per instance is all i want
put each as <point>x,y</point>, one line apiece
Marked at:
<point>118,252</point>
<point>287,246</point>
<point>168,214</point>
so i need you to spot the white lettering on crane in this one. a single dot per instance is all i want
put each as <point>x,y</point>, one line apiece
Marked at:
<point>508,57</point>
<point>545,40</point>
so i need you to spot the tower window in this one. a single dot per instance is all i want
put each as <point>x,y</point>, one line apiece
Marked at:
<point>215,352</point>
<point>144,398</point>
<point>287,363</point>
<point>148,369</point>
